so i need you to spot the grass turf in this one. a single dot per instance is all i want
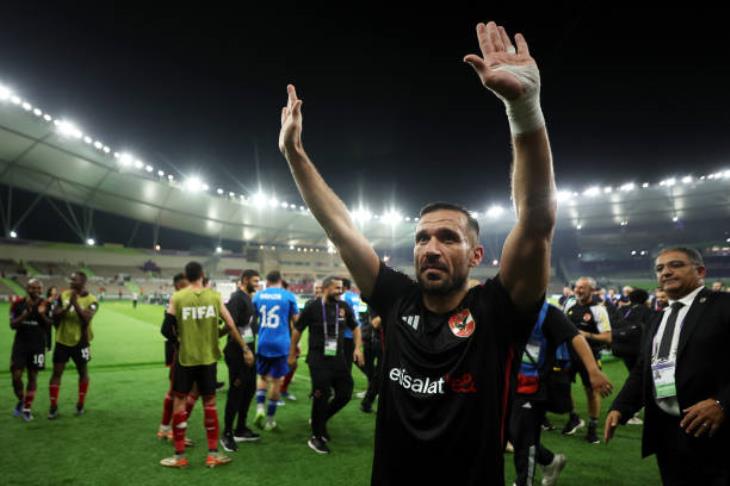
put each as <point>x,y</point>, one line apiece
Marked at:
<point>115,443</point>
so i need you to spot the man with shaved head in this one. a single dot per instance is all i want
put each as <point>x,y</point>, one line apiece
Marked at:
<point>591,319</point>
<point>450,351</point>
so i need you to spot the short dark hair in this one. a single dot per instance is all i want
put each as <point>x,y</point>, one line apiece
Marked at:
<point>472,223</point>
<point>176,279</point>
<point>274,276</point>
<point>248,274</point>
<point>694,256</point>
<point>328,281</point>
<point>638,296</point>
<point>346,283</point>
<point>193,271</point>
<point>81,274</point>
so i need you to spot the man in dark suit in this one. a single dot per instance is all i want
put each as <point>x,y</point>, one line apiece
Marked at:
<point>682,377</point>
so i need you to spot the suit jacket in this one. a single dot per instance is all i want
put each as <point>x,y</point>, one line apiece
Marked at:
<point>702,372</point>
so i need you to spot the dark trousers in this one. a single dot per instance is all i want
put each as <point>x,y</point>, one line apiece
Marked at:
<point>630,362</point>
<point>686,461</point>
<point>373,356</point>
<point>349,351</point>
<point>524,432</point>
<point>324,379</point>
<point>241,389</point>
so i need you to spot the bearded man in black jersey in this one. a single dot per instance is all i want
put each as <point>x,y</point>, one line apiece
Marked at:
<point>450,351</point>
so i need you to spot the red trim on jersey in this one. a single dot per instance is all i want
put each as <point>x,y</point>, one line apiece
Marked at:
<point>505,392</point>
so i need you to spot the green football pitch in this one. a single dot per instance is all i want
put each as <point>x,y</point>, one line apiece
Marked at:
<point>115,443</point>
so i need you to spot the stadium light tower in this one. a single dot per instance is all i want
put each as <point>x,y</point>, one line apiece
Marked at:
<point>68,129</point>
<point>13,234</point>
<point>194,184</point>
<point>495,211</point>
<point>5,93</point>
<point>392,217</point>
<point>90,241</point>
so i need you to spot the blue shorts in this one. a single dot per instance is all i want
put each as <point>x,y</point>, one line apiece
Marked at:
<point>274,367</point>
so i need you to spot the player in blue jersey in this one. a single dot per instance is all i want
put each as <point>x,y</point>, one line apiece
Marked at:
<point>277,310</point>
<point>353,300</point>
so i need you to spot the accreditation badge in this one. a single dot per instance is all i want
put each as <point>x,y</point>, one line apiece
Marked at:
<point>330,347</point>
<point>246,334</point>
<point>663,373</point>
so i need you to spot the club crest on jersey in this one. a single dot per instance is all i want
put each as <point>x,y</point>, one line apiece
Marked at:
<point>462,324</point>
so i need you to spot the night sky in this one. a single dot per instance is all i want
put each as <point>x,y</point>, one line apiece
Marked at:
<point>391,114</point>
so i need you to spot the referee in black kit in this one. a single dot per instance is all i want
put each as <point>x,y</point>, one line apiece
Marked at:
<point>328,366</point>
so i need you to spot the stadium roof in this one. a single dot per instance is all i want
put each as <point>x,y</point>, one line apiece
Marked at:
<point>57,159</point>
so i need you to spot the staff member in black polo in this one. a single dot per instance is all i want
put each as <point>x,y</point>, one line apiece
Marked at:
<point>241,377</point>
<point>682,378</point>
<point>327,318</point>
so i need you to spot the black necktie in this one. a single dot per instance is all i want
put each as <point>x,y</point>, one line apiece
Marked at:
<point>666,343</point>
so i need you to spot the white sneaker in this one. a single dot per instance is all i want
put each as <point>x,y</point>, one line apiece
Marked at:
<point>270,425</point>
<point>361,394</point>
<point>551,472</point>
<point>635,421</point>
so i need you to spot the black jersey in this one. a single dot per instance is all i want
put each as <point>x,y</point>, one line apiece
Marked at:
<point>31,334</point>
<point>445,383</point>
<point>592,318</point>
<point>243,314</point>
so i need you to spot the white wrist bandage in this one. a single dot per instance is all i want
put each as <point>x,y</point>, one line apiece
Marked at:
<point>524,113</point>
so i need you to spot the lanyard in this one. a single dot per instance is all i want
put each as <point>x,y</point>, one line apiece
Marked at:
<point>324,321</point>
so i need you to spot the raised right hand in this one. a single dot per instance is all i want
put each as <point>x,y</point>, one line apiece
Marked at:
<point>290,136</point>
<point>500,60</point>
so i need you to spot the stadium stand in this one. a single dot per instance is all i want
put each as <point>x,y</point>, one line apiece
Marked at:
<point>116,271</point>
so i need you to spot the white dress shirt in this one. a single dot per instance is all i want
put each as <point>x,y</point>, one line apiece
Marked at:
<point>670,404</point>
